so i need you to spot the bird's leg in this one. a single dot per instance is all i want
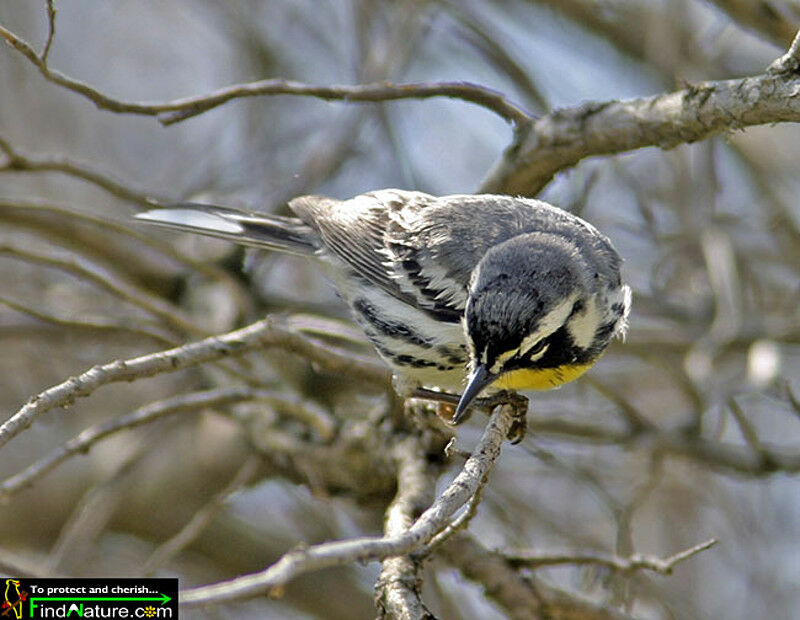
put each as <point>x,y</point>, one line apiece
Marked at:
<point>447,403</point>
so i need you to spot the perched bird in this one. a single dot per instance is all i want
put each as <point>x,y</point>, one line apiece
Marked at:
<point>460,293</point>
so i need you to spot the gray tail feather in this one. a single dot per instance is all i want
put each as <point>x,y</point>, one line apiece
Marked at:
<point>286,234</point>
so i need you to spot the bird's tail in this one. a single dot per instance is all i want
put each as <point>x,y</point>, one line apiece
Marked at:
<point>286,234</point>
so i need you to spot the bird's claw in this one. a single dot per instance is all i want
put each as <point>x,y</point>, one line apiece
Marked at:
<point>519,403</point>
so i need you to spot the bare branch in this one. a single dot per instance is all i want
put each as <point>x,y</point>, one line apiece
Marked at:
<point>270,332</point>
<point>305,559</point>
<point>749,433</point>
<point>476,31</point>
<point>211,271</point>
<point>561,139</point>
<point>516,595</point>
<point>794,401</point>
<point>637,561</point>
<point>790,61</point>
<point>51,31</point>
<point>95,324</point>
<point>460,522</point>
<point>85,269</point>
<point>728,457</point>
<point>180,109</point>
<point>398,589</point>
<point>82,443</point>
<point>18,162</point>
<point>637,422</point>
<point>501,583</point>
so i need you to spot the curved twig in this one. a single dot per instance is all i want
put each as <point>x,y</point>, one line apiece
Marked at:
<point>270,332</point>
<point>177,110</point>
<point>306,559</point>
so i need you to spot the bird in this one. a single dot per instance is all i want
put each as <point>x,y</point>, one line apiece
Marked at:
<point>460,294</point>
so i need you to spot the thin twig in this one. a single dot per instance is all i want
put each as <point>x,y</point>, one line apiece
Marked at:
<point>749,433</point>
<point>180,109</point>
<point>270,332</point>
<point>460,522</point>
<point>206,269</point>
<point>83,442</point>
<point>637,561</point>
<point>305,559</point>
<point>18,162</point>
<point>51,31</point>
<point>794,400</point>
<point>790,61</point>
<point>517,595</point>
<point>98,324</point>
<point>637,423</point>
<point>83,268</point>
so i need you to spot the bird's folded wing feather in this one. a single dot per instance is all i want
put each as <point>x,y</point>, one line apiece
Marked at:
<point>419,248</point>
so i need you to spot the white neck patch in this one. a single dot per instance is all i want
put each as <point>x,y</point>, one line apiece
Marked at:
<point>583,325</point>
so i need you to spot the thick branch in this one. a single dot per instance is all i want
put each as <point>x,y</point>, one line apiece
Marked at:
<point>305,559</point>
<point>560,140</point>
<point>790,61</point>
<point>397,592</point>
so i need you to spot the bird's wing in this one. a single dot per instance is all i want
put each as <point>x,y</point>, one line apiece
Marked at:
<point>418,248</point>
<point>377,235</point>
<point>423,249</point>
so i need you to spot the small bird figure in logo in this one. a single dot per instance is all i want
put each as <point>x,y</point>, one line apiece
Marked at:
<point>13,599</point>
<point>461,293</point>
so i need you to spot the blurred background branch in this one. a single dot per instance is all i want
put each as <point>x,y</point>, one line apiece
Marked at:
<point>285,431</point>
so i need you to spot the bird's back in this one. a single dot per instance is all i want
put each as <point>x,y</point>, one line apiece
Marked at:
<point>423,249</point>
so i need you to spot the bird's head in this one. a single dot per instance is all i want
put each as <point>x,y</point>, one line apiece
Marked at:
<point>539,313</point>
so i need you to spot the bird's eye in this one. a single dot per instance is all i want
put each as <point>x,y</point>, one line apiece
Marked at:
<point>537,348</point>
<point>536,351</point>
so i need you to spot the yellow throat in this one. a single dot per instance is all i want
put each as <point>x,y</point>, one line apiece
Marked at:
<point>540,379</point>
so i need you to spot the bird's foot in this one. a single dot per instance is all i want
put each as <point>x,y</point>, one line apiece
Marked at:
<point>518,403</point>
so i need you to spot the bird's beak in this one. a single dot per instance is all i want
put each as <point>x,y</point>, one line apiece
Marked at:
<point>479,379</point>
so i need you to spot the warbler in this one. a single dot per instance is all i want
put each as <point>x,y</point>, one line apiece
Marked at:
<point>460,293</point>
